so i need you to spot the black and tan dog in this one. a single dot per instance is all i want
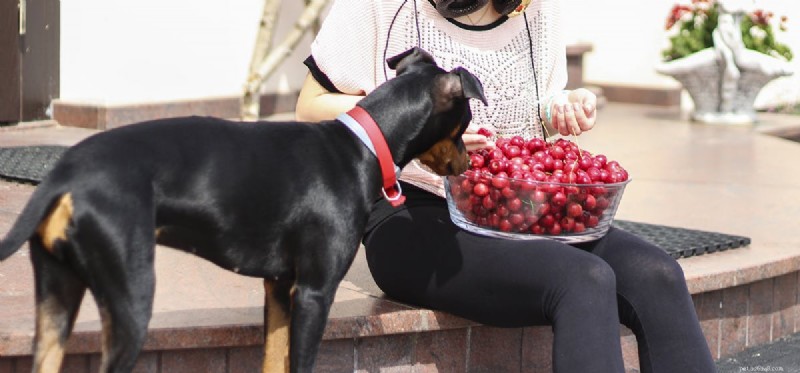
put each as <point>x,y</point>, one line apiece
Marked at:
<point>287,202</point>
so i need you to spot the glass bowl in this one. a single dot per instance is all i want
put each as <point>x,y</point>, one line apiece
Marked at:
<point>501,206</point>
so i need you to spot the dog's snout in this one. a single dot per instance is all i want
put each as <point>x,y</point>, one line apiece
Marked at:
<point>460,164</point>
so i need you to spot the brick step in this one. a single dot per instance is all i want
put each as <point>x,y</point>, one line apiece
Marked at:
<point>470,349</point>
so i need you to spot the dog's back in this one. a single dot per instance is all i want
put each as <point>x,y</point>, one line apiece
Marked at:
<point>207,177</point>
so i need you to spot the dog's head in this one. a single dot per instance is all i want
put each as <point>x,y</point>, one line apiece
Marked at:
<point>430,111</point>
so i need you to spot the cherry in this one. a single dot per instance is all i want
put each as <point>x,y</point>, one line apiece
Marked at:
<point>476,161</point>
<point>500,180</point>
<point>480,190</point>
<point>574,210</point>
<point>559,199</point>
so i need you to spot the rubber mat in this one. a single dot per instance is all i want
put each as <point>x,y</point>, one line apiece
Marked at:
<point>683,242</point>
<point>29,163</point>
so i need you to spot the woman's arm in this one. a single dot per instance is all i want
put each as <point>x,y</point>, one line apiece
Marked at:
<point>315,103</point>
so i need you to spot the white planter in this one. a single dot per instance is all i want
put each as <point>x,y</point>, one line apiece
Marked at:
<point>701,75</point>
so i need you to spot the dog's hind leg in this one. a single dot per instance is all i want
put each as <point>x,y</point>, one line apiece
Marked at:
<point>117,245</point>
<point>59,292</point>
<point>125,310</point>
<point>126,306</point>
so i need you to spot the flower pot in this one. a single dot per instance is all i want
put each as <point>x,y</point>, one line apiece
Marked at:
<point>701,74</point>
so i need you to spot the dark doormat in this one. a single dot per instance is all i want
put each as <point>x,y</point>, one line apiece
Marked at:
<point>782,355</point>
<point>683,242</point>
<point>29,163</point>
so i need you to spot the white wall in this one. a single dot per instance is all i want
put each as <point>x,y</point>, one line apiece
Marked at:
<point>116,51</point>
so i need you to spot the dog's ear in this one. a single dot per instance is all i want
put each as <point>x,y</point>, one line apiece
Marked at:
<point>403,60</point>
<point>457,84</point>
<point>470,85</point>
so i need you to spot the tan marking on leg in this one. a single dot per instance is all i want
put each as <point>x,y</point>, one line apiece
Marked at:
<point>54,227</point>
<point>105,348</point>
<point>276,349</point>
<point>48,348</point>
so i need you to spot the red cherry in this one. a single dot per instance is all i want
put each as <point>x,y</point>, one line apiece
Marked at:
<point>500,180</point>
<point>485,132</point>
<point>496,166</point>
<point>567,223</point>
<point>496,154</point>
<point>547,221</point>
<point>502,211</point>
<point>488,202</point>
<point>574,209</point>
<point>480,189</point>
<point>592,221</point>
<point>590,203</point>
<point>476,161</point>
<point>512,151</point>
<point>585,163</point>
<point>559,199</point>
<point>556,152</point>
<point>514,204</point>
<point>602,159</point>
<point>509,193</point>
<point>502,141</point>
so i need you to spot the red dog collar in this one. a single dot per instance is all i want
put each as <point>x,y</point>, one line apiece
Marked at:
<point>391,187</point>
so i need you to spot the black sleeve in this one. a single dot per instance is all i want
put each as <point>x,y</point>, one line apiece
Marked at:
<point>320,76</point>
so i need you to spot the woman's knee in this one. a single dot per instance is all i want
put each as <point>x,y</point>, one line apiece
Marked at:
<point>591,276</point>
<point>664,272</point>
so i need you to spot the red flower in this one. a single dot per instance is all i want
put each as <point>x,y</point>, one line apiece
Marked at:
<point>677,12</point>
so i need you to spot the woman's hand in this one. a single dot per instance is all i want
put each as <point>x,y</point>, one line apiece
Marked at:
<point>574,113</point>
<point>474,140</point>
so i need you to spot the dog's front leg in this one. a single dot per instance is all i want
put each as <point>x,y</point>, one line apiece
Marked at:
<point>310,308</point>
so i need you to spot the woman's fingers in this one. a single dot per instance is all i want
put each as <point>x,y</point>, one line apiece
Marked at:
<point>566,120</point>
<point>474,141</point>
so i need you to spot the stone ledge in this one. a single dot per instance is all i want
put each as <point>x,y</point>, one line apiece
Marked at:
<point>643,95</point>
<point>107,116</point>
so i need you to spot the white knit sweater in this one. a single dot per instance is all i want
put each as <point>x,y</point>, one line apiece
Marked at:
<point>351,48</point>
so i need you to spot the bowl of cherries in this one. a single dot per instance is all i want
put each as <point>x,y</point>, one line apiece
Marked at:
<point>533,189</point>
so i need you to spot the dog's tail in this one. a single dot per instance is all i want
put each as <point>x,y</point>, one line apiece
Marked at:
<point>39,205</point>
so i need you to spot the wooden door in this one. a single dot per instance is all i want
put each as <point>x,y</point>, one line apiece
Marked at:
<point>10,94</point>
<point>29,58</point>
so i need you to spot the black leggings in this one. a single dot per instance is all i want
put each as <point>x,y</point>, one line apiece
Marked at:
<point>584,291</point>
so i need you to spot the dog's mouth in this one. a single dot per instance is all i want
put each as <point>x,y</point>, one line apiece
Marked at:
<point>445,159</point>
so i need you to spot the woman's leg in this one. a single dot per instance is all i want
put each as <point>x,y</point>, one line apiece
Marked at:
<point>418,256</point>
<point>655,303</point>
